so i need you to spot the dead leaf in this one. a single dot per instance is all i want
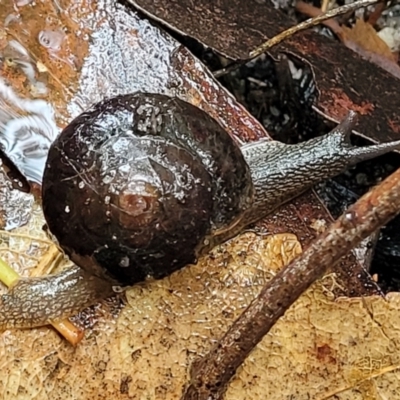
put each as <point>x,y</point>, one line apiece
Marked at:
<point>321,347</point>
<point>336,68</point>
<point>146,349</point>
<point>366,36</point>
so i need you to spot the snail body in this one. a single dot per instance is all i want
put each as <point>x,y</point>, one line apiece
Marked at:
<point>141,185</point>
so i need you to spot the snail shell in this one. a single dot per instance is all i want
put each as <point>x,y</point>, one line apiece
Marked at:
<point>137,184</point>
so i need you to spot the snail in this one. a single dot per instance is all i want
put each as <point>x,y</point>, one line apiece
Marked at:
<point>143,184</point>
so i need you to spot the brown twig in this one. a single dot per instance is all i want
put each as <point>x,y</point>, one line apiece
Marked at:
<point>293,30</point>
<point>308,24</point>
<point>324,5</point>
<point>311,11</point>
<point>387,64</point>
<point>211,374</point>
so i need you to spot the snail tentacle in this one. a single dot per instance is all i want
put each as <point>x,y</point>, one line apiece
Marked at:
<point>356,154</point>
<point>281,172</point>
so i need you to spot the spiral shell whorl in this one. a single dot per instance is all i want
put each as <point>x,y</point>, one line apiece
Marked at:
<point>137,183</point>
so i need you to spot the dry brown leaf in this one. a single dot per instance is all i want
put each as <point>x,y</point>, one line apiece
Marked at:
<point>363,34</point>
<point>320,347</point>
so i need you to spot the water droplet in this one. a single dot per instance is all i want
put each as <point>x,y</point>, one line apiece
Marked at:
<point>52,40</point>
<point>27,135</point>
<point>124,262</point>
<point>349,216</point>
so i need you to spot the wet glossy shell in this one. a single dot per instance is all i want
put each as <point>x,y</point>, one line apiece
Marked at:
<point>136,184</point>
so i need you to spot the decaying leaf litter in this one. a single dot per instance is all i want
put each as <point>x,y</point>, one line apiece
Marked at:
<point>354,83</point>
<point>62,362</point>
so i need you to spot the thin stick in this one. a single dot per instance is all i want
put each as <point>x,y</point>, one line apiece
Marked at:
<point>308,24</point>
<point>229,68</point>
<point>48,261</point>
<point>311,11</point>
<point>211,374</point>
<point>66,328</point>
<point>324,5</point>
<point>7,275</point>
<point>291,31</point>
